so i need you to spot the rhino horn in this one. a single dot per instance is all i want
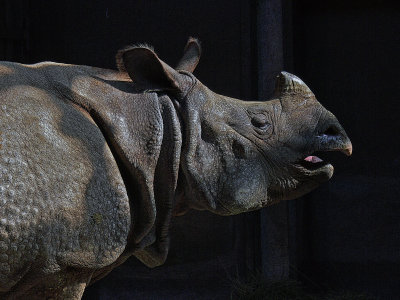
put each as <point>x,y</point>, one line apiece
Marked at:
<point>191,56</point>
<point>287,83</point>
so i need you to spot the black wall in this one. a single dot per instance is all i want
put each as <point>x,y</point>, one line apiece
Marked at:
<point>349,229</point>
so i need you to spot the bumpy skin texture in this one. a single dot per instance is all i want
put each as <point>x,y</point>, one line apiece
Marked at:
<point>63,201</point>
<point>94,163</point>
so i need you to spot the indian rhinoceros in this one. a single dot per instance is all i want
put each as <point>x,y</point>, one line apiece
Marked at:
<point>94,162</point>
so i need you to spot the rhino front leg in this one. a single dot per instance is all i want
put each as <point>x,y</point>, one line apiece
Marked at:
<point>68,284</point>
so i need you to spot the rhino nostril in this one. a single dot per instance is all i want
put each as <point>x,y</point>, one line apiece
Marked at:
<point>332,130</point>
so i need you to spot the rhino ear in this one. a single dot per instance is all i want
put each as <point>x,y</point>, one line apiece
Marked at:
<point>146,70</point>
<point>191,56</point>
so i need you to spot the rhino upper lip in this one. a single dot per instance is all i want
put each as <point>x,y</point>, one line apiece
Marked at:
<point>335,142</point>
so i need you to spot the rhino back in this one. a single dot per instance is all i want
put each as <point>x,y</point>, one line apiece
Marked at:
<point>62,199</point>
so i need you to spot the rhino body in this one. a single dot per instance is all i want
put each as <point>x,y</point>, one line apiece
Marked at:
<point>94,163</point>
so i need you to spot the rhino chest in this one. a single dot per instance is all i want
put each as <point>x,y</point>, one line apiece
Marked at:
<point>61,195</point>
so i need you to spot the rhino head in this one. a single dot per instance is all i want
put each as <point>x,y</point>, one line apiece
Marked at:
<point>242,156</point>
<point>237,155</point>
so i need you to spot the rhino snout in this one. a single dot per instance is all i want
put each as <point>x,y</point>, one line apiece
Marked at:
<point>334,138</point>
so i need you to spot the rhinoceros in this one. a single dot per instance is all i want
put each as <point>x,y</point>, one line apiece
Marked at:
<point>95,162</point>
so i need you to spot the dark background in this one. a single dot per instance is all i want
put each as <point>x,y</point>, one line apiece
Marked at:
<point>348,53</point>
<point>344,235</point>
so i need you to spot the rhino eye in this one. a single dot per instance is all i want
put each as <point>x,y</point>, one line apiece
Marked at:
<point>260,121</point>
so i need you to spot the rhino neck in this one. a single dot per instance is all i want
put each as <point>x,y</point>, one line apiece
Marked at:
<point>191,192</point>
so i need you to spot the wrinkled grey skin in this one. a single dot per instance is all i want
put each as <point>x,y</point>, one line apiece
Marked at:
<point>94,163</point>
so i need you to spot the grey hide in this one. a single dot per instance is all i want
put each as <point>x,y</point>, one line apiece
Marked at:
<point>94,163</point>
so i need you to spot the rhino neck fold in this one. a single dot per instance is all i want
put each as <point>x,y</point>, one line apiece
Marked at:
<point>193,194</point>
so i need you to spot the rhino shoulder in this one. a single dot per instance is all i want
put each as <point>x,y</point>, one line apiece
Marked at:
<point>62,196</point>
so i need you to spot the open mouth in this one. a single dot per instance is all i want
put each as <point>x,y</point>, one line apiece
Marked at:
<point>313,162</point>
<point>333,144</point>
<point>320,160</point>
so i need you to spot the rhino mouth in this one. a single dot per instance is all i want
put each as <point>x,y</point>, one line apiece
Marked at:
<point>332,141</point>
<point>313,162</point>
<point>314,166</point>
<point>318,162</point>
